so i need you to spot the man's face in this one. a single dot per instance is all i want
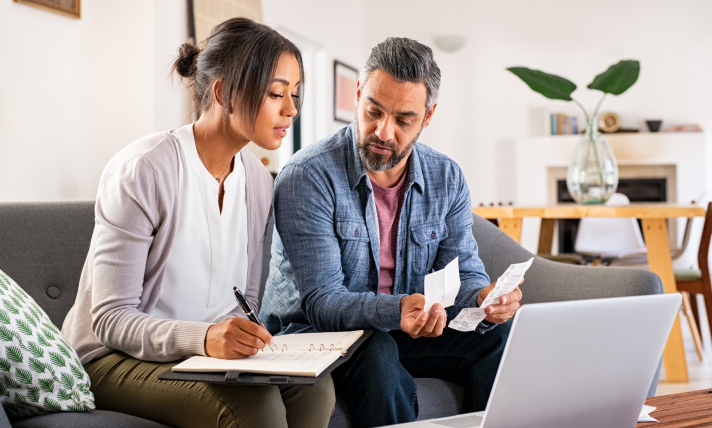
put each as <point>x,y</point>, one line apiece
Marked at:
<point>389,118</point>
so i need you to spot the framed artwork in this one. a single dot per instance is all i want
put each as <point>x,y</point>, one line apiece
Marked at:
<point>65,7</point>
<point>345,78</point>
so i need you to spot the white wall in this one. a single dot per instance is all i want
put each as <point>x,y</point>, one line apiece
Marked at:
<point>484,108</point>
<point>73,92</point>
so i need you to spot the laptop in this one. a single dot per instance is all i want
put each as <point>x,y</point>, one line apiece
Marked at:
<point>583,363</point>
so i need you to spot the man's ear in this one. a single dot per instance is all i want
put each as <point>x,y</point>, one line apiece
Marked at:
<point>358,94</point>
<point>429,115</point>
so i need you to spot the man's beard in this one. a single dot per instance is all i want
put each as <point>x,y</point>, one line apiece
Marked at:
<point>377,162</point>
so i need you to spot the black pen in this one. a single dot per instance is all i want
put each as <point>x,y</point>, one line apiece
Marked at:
<point>245,305</point>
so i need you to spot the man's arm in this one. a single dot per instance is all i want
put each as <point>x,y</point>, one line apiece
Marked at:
<point>304,215</point>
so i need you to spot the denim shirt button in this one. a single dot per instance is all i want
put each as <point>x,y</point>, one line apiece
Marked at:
<point>356,233</point>
<point>432,235</point>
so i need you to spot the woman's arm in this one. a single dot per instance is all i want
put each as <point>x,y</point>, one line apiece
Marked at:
<point>134,229</point>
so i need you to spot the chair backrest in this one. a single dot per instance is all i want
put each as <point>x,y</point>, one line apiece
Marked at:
<point>704,251</point>
<point>610,237</point>
<point>43,246</point>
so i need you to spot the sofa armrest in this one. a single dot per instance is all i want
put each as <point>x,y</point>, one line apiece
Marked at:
<point>4,421</point>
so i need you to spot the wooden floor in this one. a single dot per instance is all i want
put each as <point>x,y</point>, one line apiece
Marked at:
<point>700,372</point>
<point>686,409</point>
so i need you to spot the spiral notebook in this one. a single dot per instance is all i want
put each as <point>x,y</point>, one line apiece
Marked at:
<point>296,355</point>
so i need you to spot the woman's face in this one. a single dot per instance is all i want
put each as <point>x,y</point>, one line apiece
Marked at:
<point>274,116</point>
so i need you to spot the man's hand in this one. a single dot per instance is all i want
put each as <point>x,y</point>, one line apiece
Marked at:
<point>418,323</point>
<point>236,338</point>
<point>505,309</point>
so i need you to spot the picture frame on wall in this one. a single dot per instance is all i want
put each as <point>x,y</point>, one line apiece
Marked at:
<point>345,78</point>
<point>71,8</point>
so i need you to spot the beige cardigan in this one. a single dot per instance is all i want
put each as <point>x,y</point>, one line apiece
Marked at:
<point>135,223</point>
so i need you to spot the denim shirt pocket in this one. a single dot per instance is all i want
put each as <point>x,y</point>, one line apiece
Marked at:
<point>426,239</point>
<point>355,247</point>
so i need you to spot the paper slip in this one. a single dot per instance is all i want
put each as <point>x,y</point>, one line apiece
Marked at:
<point>442,286</point>
<point>469,318</point>
<point>645,414</point>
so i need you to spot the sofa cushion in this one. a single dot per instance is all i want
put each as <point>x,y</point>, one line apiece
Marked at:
<point>40,370</point>
<point>90,419</point>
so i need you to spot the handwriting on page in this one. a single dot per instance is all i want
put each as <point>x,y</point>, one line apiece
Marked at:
<point>442,286</point>
<point>469,318</point>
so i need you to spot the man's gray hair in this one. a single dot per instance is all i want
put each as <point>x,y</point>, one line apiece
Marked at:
<point>407,61</point>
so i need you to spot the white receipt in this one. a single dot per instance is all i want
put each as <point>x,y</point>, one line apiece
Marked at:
<point>442,286</point>
<point>469,318</point>
<point>645,414</point>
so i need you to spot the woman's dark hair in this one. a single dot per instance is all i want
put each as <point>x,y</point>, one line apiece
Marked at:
<point>244,54</point>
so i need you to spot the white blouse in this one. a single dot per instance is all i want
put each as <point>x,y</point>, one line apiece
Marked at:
<point>209,253</point>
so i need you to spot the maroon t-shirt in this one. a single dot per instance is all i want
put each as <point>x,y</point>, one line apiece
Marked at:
<point>388,204</point>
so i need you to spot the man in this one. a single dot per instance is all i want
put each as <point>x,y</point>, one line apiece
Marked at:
<point>362,217</point>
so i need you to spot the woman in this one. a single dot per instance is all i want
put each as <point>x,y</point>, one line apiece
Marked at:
<point>181,218</point>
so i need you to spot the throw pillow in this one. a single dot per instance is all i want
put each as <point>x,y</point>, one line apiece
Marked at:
<point>39,371</point>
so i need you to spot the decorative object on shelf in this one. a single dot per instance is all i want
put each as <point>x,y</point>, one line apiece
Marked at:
<point>345,78</point>
<point>654,125</point>
<point>449,43</point>
<point>609,122</point>
<point>71,8</point>
<point>592,176</point>
<point>685,128</point>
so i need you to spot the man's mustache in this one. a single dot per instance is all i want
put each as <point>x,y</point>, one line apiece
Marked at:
<point>373,140</point>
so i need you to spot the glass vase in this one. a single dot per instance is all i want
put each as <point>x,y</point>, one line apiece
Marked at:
<point>592,176</point>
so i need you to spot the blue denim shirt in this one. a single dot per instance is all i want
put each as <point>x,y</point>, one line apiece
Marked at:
<point>328,240</point>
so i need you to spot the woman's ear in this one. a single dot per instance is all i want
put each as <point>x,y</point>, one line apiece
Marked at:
<point>218,92</point>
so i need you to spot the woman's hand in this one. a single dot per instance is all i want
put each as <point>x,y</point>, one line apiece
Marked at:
<point>236,338</point>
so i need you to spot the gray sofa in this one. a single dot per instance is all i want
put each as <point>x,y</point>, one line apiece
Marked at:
<point>43,247</point>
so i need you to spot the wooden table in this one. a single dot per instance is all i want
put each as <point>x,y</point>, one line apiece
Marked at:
<point>653,217</point>
<point>687,409</point>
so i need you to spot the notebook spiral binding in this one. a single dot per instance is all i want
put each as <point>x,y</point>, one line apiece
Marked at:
<point>312,347</point>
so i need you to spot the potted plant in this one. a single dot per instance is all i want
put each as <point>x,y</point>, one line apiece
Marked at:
<point>592,176</point>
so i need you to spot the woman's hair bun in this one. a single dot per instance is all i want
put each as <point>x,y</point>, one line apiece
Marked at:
<point>185,64</point>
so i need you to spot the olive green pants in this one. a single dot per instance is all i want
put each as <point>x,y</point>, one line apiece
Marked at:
<point>127,385</point>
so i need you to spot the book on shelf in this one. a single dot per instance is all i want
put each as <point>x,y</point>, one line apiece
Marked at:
<point>561,124</point>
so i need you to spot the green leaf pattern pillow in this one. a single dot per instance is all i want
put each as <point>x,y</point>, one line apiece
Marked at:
<point>39,371</point>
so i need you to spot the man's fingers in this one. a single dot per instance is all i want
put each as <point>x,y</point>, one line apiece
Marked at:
<point>440,325</point>
<point>513,296</point>
<point>431,322</point>
<point>417,322</point>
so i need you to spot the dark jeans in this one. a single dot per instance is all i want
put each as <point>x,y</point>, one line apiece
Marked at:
<point>379,376</point>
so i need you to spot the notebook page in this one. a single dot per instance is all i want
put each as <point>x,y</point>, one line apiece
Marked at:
<point>302,342</point>
<point>277,363</point>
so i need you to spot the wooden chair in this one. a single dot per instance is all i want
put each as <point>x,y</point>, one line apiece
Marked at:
<point>698,281</point>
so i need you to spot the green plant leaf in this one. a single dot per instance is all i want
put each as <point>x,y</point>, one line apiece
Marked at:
<point>23,376</point>
<point>13,353</point>
<point>3,391</point>
<point>57,359</point>
<point>549,85</point>
<point>50,327</point>
<point>24,328</point>
<point>618,78</point>
<point>83,387</point>
<point>64,350</point>
<point>30,319</point>
<point>4,318</point>
<point>77,372</point>
<point>47,385</point>
<point>67,380</point>
<point>21,399</point>
<point>42,341</point>
<point>63,395</point>
<point>35,349</point>
<point>76,408</point>
<point>5,334</point>
<point>36,365</point>
<point>10,307</point>
<point>5,365</point>
<point>50,404</point>
<point>33,394</point>
<point>48,334</point>
<point>11,383</point>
